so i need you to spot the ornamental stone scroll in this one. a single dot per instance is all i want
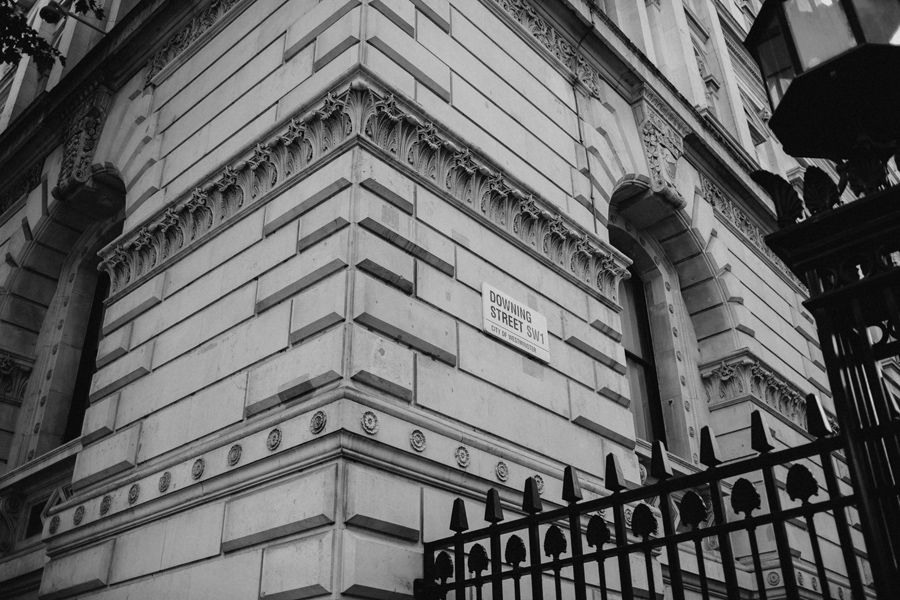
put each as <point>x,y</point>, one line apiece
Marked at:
<point>662,135</point>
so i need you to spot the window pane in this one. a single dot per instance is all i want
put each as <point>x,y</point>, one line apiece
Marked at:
<point>640,399</point>
<point>776,65</point>
<point>880,21</point>
<point>820,29</point>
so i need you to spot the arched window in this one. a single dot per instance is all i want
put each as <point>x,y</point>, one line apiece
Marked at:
<point>649,423</point>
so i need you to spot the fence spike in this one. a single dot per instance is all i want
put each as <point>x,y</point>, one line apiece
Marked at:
<point>709,448</point>
<point>816,419</point>
<point>458,520</point>
<point>615,481</point>
<point>493,512</point>
<point>760,434</point>
<point>571,486</point>
<point>660,467</point>
<point>531,501</point>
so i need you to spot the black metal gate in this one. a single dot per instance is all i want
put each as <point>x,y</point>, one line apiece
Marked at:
<point>591,547</point>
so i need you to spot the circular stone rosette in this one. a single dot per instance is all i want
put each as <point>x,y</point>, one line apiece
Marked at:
<point>773,578</point>
<point>198,468</point>
<point>417,440</point>
<point>133,493</point>
<point>105,504</point>
<point>317,422</point>
<point>54,524</point>
<point>462,456</point>
<point>502,471</point>
<point>370,422</point>
<point>273,440</point>
<point>539,482</point>
<point>164,480</point>
<point>234,455</point>
<point>78,517</point>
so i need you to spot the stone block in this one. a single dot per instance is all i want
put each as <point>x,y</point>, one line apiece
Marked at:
<point>377,569</point>
<point>612,385</point>
<point>601,348</point>
<point>283,580</point>
<point>408,53</point>
<point>389,311</point>
<point>283,509</point>
<point>605,319</point>
<point>517,373</point>
<point>193,535</point>
<point>318,307</point>
<point>99,419</point>
<point>422,242</point>
<point>343,34</point>
<point>381,364</point>
<point>128,307</point>
<point>303,270</point>
<point>305,30</point>
<point>702,296</point>
<point>388,70</point>
<point>601,415</point>
<point>78,572</point>
<point>401,12</point>
<point>109,456</point>
<point>122,372</point>
<point>386,181</point>
<point>436,10</point>
<point>381,503</point>
<point>324,219</point>
<point>314,363</point>
<point>309,193</point>
<point>693,270</point>
<point>385,261</point>
<point>449,295</point>
<point>218,359</point>
<point>114,345</point>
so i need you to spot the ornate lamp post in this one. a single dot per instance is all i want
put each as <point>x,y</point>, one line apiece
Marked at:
<point>832,71</point>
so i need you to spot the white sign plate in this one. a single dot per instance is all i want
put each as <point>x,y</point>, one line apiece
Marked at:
<point>514,323</point>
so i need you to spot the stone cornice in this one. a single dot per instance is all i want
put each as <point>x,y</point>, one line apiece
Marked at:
<point>742,375</point>
<point>547,35</point>
<point>748,230</point>
<point>361,110</point>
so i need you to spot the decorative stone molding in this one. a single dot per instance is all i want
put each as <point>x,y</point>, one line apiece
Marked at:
<point>662,131</point>
<point>551,39</point>
<point>743,375</point>
<point>24,184</point>
<point>361,111</point>
<point>739,54</point>
<point>79,142</point>
<point>753,235</point>
<point>10,513</point>
<point>14,372</point>
<point>187,36</point>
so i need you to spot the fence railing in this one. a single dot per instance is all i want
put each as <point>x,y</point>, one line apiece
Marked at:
<point>570,552</point>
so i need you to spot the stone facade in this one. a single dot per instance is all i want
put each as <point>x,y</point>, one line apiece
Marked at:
<point>289,211</point>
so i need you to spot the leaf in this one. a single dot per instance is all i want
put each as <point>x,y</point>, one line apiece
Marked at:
<point>555,542</point>
<point>643,523</point>
<point>819,192</point>
<point>597,532</point>
<point>478,559</point>
<point>443,566</point>
<point>515,551</point>
<point>788,207</point>
<point>744,497</point>
<point>801,484</point>
<point>693,510</point>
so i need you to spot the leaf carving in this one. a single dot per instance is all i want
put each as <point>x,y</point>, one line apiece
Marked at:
<point>744,497</point>
<point>597,532</point>
<point>693,510</point>
<point>819,192</point>
<point>801,484</point>
<point>643,523</point>
<point>443,566</point>
<point>787,203</point>
<point>515,551</point>
<point>478,559</point>
<point>554,542</point>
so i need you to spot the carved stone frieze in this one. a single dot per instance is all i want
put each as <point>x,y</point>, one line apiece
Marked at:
<point>10,513</point>
<point>662,132</point>
<point>551,39</point>
<point>752,233</point>
<point>14,372</point>
<point>187,36</point>
<point>420,147</point>
<point>743,376</point>
<point>24,184</point>
<point>80,141</point>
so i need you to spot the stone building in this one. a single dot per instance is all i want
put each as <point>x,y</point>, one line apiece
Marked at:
<point>250,252</point>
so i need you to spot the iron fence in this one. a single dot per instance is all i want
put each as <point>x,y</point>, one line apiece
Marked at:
<point>572,552</point>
